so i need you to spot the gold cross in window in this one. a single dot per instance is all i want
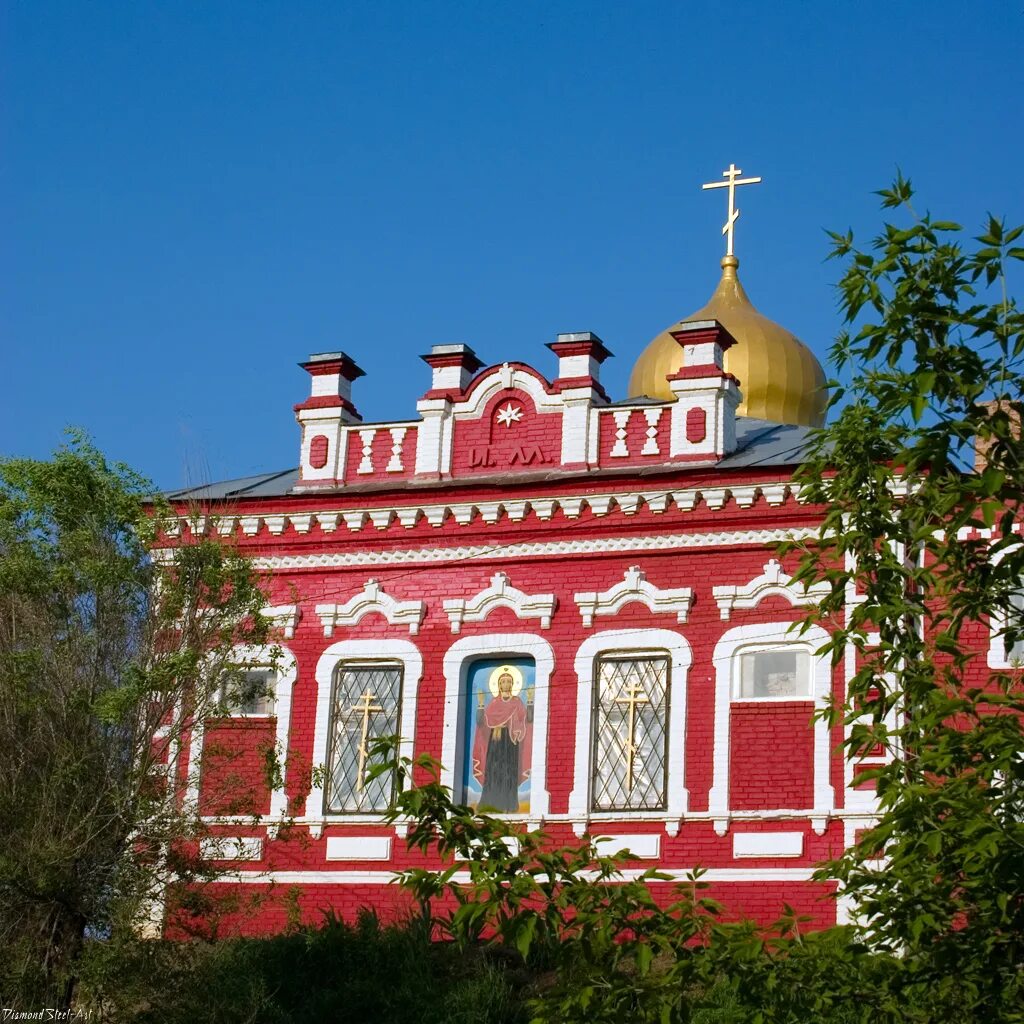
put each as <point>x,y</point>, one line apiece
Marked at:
<point>366,708</point>
<point>634,697</point>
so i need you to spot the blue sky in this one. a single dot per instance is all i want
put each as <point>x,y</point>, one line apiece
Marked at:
<point>194,196</point>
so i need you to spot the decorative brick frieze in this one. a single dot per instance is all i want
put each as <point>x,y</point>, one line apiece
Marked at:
<point>491,511</point>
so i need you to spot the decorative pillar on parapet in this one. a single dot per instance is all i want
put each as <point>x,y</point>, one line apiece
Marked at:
<point>706,397</point>
<point>323,416</point>
<point>580,356</point>
<point>452,368</point>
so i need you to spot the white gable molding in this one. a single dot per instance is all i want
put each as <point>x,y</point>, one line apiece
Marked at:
<point>773,582</point>
<point>500,594</point>
<point>634,587</point>
<point>284,617</point>
<point>457,662</point>
<point>501,378</point>
<point>361,650</point>
<point>372,599</point>
<point>758,636</point>
<point>640,641</point>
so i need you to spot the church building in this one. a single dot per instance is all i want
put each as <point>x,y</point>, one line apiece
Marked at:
<point>571,599</point>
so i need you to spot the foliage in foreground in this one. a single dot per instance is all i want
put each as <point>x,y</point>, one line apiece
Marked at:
<point>99,648</point>
<point>609,949</point>
<point>367,972</point>
<point>933,361</point>
<point>338,972</point>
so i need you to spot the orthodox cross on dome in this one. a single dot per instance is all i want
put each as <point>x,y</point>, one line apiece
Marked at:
<point>732,180</point>
<point>634,697</point>
<point>364,707</point>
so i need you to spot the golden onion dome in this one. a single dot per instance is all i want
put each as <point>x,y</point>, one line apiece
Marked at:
<point>780,379</point>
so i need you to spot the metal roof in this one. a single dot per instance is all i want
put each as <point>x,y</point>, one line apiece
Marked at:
<point>266,485</point>
<point>762,443</point>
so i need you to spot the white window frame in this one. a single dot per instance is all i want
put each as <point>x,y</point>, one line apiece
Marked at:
<point>369,663</point>
<point>633,656</point>
<point>457,662</point>
<point>758,648</point>
<point>224,699</point>
<point>998,656</point>
<point>763,635</point>
<point>282,659</point>
<point>403,651</point>
<point>640,642</point>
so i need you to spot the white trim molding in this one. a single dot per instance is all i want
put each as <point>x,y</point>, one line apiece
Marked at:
<point>358,848</point>
<point>640,641</point>
<point>767,844</point>
<point>634,587</point>
<point>773,582</point>
<point>374,556</point>
<point>403,651</point>
<point>284,617</point>
<point>457,661</point>
<point>642,845</point>
<point>759,636</point>
<point>667,876</point>
<point>500,594</point>
<point>372,599</point>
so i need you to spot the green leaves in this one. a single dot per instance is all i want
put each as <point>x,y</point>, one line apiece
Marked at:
<point>934,368</point>
<point>900,194</point>
<point>106,662</point>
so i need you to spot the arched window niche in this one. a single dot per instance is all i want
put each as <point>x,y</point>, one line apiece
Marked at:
<point>494,739</point>
<point>763,664</point>
<point>612,658</point>
<point>382,664</point>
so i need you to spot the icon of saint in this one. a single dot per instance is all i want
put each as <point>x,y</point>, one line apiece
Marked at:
<point>503,743</point>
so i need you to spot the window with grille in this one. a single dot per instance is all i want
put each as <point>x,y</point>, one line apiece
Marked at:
<point>779,673</point>
<point>365,702</point>
<point>248,692</point>
<point>630,732</point>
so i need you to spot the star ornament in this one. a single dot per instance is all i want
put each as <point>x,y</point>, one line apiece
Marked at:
<point>509,414</point>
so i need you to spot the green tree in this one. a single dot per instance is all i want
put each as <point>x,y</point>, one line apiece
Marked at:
<point>100,647</point>
<point>929,548</point>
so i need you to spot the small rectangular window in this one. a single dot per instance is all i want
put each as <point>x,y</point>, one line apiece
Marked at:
<point>249,692</point>
<point>630,733</point>
<point>775,673</point>
<point>365,702</point>
<point>1015,651</point>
